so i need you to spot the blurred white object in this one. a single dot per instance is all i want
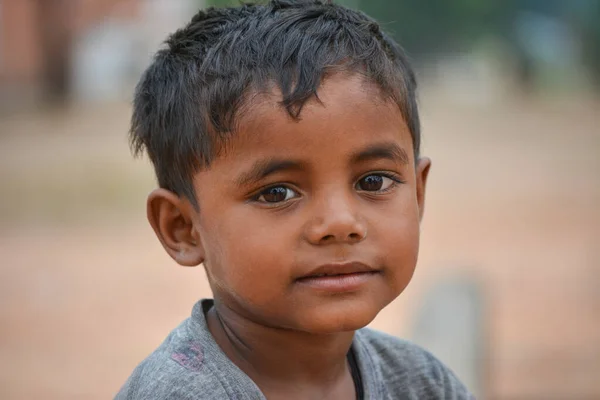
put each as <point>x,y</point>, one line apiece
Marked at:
<point>110,56</point>
<point>450,324</point>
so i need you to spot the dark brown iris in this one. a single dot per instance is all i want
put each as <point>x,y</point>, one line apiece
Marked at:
<point>274,194</point>
<point>371,183</point>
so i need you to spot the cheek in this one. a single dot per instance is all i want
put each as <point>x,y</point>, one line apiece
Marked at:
<point>398,237</point>
<point>401,239</point>
<point>248,257</point>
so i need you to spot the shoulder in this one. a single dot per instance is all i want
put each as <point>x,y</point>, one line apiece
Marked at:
<point>175,370</point>
<point>407,368</point>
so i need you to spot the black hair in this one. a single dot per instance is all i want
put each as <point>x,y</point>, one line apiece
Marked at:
<point>188,99</point>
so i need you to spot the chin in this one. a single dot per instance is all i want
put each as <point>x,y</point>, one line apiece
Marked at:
<point>342,316</point>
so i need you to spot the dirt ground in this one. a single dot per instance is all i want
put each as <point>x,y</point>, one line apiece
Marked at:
<point>514,201</point>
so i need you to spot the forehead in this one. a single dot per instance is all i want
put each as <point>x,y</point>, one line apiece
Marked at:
<point>348,113</point>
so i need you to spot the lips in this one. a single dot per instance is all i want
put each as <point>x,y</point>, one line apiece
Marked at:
<point>338,269</point>
<point>350,277</point>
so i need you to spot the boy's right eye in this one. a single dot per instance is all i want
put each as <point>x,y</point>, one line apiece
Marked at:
<point>276,194</point>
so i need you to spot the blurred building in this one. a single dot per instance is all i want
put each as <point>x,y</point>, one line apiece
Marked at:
<point>81,49</point>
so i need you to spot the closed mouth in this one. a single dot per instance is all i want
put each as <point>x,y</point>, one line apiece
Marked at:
<point>338,269</point>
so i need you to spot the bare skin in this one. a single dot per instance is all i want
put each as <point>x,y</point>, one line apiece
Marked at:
<point>306,229</point>
<point>299,372</point>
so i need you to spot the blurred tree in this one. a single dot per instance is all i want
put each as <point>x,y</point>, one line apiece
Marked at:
<point>587,18</point>
<point>437,27</point>
<point>440,26</point>
<point>429,26</point>
<point>226,3</point>
<point>223,3</point>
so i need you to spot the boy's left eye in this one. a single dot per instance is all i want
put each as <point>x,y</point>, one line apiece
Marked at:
<point>375,183</point>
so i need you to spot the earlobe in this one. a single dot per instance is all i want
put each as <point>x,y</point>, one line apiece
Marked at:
<point>171,217</point>
<point>422,172</point>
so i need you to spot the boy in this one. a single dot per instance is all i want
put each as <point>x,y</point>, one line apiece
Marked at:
<point>285,138</point>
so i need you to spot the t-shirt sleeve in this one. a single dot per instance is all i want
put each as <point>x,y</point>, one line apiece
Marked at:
<point>436,380</point>
<point>409,371</point>
<point>148,382</point>
<point>161,377</point>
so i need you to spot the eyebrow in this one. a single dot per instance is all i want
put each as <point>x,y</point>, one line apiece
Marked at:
<point>389,151</point>
<point>263,168</point>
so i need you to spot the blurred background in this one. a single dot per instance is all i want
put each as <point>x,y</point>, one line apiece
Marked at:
<point>507,290</point>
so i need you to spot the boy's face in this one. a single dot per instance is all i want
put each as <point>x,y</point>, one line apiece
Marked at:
<point>337,192</point>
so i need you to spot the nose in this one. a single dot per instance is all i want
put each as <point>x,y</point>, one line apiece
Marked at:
<point>336,220</point>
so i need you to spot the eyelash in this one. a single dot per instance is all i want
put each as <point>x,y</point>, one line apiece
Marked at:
<point>396,180</point>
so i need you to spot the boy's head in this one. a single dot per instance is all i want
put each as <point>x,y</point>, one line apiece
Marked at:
<point>285,138</point>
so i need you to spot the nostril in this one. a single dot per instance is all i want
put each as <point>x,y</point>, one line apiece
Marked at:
<point>354,236</point>
<point>327,238</point>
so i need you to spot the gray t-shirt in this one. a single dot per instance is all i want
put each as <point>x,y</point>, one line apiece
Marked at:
<point>190,365</point>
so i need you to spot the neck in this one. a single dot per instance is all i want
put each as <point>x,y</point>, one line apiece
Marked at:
<point>274,357</point>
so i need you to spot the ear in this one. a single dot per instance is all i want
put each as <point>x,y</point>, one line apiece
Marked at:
<point>172,219</point>
<point>422,172</point>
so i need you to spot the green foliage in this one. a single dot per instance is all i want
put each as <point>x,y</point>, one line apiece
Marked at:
<point>223,3</point>
<point>439,25</point>
<point>426,27</point>
<point>229,3</point>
